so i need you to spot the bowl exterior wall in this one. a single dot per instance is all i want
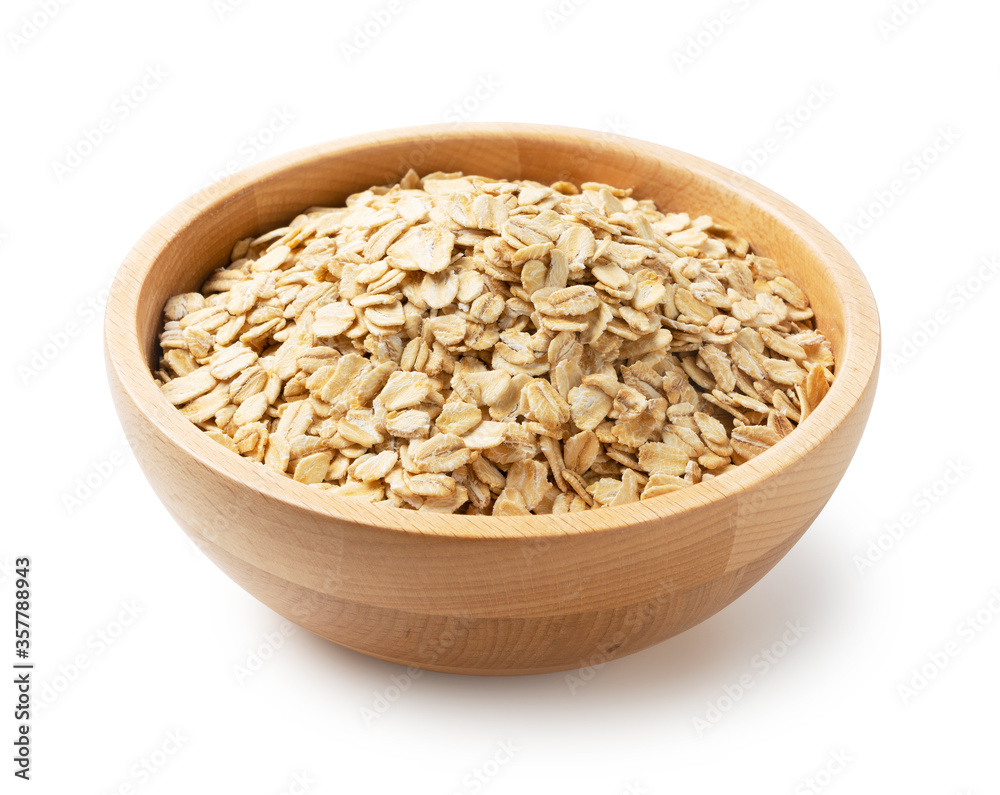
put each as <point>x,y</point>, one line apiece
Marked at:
<point>515,605</point>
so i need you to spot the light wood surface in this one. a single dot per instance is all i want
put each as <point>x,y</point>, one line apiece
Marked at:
<point>479,595</point>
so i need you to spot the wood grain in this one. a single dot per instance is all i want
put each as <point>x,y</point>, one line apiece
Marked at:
<point>479,595</point>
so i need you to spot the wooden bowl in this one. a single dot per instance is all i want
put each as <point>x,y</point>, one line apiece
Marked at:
<point>483,595</point>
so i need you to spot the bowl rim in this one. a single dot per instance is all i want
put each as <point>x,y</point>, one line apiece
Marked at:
<point>857,366</point>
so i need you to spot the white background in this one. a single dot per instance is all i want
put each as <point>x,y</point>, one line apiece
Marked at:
<point>912,101</point>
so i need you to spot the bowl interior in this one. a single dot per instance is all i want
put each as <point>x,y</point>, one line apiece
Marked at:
<point>178,253</point>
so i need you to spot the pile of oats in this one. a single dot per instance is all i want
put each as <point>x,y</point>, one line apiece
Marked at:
<point>465,345</point>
